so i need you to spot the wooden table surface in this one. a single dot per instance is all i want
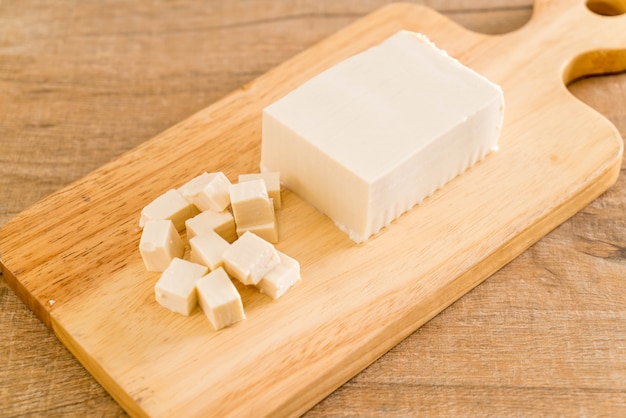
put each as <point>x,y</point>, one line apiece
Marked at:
<point>82,82</point>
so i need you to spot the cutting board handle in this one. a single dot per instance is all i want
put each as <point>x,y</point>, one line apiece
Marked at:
<point>594,30</point>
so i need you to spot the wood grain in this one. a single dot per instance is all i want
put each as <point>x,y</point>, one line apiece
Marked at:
<point>579,372</point>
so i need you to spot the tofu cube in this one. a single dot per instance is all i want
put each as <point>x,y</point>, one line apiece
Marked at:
<point>251,203</point>
<point>268,231</point>
<point>219,299</point>
<point>272,182</point>
<point>208,191</point>
<point>208,221</point>
<point>159,244</point>
<point>176,289</point>
<point>249,258</point>
<point>278,280</point>
<point>170,205</point>
<point>208,249</point>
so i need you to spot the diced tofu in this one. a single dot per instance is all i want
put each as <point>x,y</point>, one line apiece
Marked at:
<point>170,205</point>
<point>219,299</point>
<point>251,204</point>
<point>221,222</point>
<point>278,280</point>
<point>208,191</point>
<point>272,182</point>
<point>249,258</point>
<point>268,231</point>
<point>176,289</point>
<point>208,249</point>
<point>159,244</point>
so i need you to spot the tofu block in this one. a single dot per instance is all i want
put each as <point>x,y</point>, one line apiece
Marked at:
<point>159,244</point>
<point>251,203</point>
<point>272,182</point>
<point>170,205</point>
<point>176,289</point>
<point>278,280</point>
<point>249,258</point>
<point>221,222</point>
<point>208,249</point>
<point>208,191</point>
<point>374,135</point>
<point>219,299</point>
<point>268,231</point>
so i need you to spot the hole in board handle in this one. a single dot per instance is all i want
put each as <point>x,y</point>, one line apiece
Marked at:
<point>607,7</point>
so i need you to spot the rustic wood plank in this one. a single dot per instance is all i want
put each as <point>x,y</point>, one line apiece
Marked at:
<point>70,120</point>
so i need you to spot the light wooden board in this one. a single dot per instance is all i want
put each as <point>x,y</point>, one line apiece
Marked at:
<point>78,247</point>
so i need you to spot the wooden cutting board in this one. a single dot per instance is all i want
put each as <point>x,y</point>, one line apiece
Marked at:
<point>73,257</point>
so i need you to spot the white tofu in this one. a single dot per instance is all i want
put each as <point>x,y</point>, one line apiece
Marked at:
<point>208,249</point>
<point>208,221</point>
<point>159,244</point>
<point>170,205</point>
<point>219,299</point>
<point>278,280</point>
<point>249,258</point>
<point>208,191</point>
<point>372,136</point>
<point>268,231</point>
<point>272,182</point>
<point>176,289</point>
<point>251,203</point>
